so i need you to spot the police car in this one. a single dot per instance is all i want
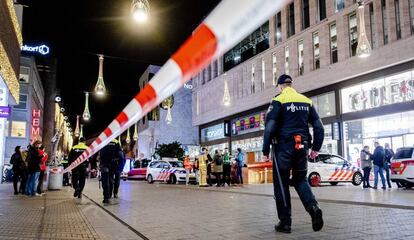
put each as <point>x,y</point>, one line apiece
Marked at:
<point>169,171</point>
<point>328,168</point>
<point>402,167</point>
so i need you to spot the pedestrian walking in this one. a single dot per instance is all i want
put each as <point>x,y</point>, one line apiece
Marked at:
<point>366,164</point>
<point>109,156</point>
<point>119,164</point>
<point>209,168</point>
<point>379,161</point>
<point>187,167</point>
<point>33,160</point>
<point>196,170</point>
<point>18,169</point>
<point>218,166</point>
<point>226,167</point>
<point>240,164</point>
<point>389,154</point>
<point>287,124</point>
<point>44,159</point>
<point>80,172</point>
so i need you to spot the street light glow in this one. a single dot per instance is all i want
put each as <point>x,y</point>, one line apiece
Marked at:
<point>140,10</point>
<point>140,15</point>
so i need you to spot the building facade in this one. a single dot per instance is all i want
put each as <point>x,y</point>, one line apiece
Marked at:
<point>315,42</point>
<point>10,44</point>
<point>156,128</point>
<point>26,121</point>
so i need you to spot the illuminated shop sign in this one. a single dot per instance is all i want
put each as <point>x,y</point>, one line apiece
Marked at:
<point>36,115</point>
<point>42,49</point>
<point>213,133</point>
<point>4,111</point>
<point>248,124</point>
<point>395,89</point>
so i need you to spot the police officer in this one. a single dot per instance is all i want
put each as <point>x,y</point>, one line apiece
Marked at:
<point>65,164</point>
<point>286,125</point>
<point>110,156</point>
<point>80,172</point>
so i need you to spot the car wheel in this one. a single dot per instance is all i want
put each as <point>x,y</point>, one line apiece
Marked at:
<point>333,183</point>
<point>173,179</point>
<point>357,179</point>
<point>314,179</point>
<point>150,179</point>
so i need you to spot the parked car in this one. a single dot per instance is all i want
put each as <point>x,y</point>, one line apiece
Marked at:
<point>329,168</point>
<point>139,169</point>
<point>167,171</point>
<point>402,167</point>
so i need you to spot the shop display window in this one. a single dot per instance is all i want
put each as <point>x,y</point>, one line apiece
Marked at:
<point>329,144</point>
<point>325,104</point>
<point>251,147</point>
<point>385,91</point>
<point>18,129</point>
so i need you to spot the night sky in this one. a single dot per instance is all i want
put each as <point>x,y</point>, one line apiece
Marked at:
<point>77,30</point>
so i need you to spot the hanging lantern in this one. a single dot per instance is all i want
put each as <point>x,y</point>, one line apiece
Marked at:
<point>168,119</point>
<point>140,10</point>
<point>363,48</point>
<point>226,96</point>
<point>100,85</point>
<point>86,114</point>
<point>128,137</point>
<point>135,136</point>
<point>77,126</point>
<point>81,131</point>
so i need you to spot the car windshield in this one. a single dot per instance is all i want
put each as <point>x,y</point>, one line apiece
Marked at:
<point>404,153</point>
<point>176,164</point>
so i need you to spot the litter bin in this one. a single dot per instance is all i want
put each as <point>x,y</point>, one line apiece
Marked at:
<point>55,178</point>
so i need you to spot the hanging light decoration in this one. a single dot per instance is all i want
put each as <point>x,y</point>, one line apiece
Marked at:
<point>363,48</point>
<point>226,96</point>
<point>100,85</point>
<point>168,118</point>
<point>77,126</point>
<point>86,114</point>
<point>128,137</point>
<point>140,10</point>
<point>119,140</point>
<point>81,131</point>
<point>135,136</point>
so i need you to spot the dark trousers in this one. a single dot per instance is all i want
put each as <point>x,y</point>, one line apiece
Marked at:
<point>367,172</point>
<point>117,182</point>
<point>240,173</point>
<point>107,183</point>
<point>65,179</point>
<point>19,176</point>
<point>387,174</point>
<point>287,159</point>
<point>218,178</point>
<point>39,189</point>
<point>226,174</point>
<point>78,181</point>
<point>209,180</point>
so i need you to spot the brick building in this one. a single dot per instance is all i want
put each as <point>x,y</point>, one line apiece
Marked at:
<point>360,100</point>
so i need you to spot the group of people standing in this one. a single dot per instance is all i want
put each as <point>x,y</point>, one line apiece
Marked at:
<point>380,160</point>
<point>29,169</point>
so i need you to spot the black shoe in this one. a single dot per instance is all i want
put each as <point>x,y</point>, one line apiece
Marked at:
<point>389,186</point>
<point>115,195</point>
<point>283,228</point>
<point>384,187</point>
<point>317,220</point>
<point>374,187</point>
<point>80,195</point>
<point>76,193</point>
<point>106,201</point>
<point>16,193</point>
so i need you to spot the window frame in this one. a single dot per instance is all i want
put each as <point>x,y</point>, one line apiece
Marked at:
<point>24,130</point>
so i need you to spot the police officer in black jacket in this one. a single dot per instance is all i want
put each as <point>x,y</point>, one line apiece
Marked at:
<point>80,172</point>
<point>287,127</point>
<point>111,157</point>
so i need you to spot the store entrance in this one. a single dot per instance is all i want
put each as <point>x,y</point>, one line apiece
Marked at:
<point>395,142</point>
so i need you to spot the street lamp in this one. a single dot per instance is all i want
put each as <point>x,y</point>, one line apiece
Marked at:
<point>86,114</point>
<point>363,48</point>
<point>140,10</point>
<point>100,85</point>
<point>77,126</point>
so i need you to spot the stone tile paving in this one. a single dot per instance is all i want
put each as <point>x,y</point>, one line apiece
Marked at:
<point>162,211</point>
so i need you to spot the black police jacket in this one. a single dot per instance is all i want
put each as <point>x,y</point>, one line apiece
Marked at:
<point>112,156</point>
<point>76,151</point>
<point>290,114</point>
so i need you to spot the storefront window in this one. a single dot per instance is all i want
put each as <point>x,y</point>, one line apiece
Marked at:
<point>212,148</point>
<point>18,129</point>
<point>248,124</point>
<point>385,91</point>
<point>329,145</point>
<point>395,129</point>
<point>325,104</point>
<point>251,147</point>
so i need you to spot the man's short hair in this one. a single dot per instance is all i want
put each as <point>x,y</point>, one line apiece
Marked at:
<point>82,139</point>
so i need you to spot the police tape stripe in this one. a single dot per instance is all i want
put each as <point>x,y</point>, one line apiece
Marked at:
<point>227,25</point>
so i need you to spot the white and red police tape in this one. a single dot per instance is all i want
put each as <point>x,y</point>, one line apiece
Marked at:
<point>228,24</point>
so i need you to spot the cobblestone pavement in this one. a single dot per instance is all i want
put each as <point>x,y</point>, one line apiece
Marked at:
<point>161,211</point>
<point>55,216</point>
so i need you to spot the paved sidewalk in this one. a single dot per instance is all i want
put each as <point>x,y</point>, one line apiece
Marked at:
<point>55,216</point>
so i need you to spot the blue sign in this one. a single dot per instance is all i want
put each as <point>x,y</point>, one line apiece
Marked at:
<point>42,49</point>
<point>4,111</point>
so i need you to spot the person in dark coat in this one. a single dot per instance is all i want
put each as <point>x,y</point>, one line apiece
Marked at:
<point>18,170</point>
<point>389,154</point>
<point>33,161</point>
<point>80,172</point>
<point>379,161</point>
